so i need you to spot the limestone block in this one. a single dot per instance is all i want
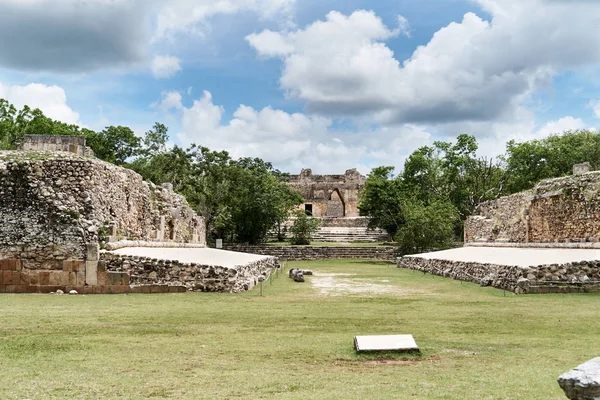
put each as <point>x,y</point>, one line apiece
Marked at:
<point>91,273</point>
<point>582,382</point>
<point>92,252</point>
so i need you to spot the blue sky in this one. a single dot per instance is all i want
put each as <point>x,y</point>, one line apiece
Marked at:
<point>325,84</point>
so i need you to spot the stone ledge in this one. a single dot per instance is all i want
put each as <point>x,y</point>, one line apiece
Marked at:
<point>143,243</point>
<point>301,253</point>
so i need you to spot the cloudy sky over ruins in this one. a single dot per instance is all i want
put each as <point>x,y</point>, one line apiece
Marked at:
<point>327,84</point>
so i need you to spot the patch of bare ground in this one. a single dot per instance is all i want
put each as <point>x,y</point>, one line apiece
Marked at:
<point>387,361</point>
<point>339,284</point>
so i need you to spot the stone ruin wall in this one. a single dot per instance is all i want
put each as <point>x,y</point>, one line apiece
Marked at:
<point>330,195</point>
<point>557,210</point>
<point>501,220</point>
<point>552,278</point>
<point>65,143</point>
<point>306,253</point>
<point>148,275</point>
<point>56,207</point>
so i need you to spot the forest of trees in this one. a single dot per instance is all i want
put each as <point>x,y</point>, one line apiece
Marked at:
<point>423,207</point>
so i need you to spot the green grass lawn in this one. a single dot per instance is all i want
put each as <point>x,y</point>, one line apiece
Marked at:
<point>296,341</point>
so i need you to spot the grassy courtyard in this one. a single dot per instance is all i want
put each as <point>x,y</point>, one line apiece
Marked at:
<point>296,341</point>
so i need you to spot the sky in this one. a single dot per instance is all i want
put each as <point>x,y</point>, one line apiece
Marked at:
<point>323,84</point>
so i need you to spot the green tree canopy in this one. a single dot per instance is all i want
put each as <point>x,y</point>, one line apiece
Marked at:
<point>527,163</point>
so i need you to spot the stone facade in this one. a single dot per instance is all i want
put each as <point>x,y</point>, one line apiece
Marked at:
<point>302,253</point>
<point>564,209</point>
<point>333,196</point>
<point>66,143</point>
<point>555,278</point>
<point>149,272</point>
<point>57,208</point>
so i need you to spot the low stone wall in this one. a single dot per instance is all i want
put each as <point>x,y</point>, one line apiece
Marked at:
<point>121,244</point>
<point>301,253</point>
<point>554,278</point>
<point>150,272</point>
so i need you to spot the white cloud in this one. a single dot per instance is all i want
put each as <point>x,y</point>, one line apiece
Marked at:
<point>460,75</point>
<point>88,35</point>
<point>403,25</point>
<point>170,100</point>
<point>52,100</point>
<point>165,66</point>
<point>190,16</point>
<point>292,141</point>
<point>561,125</point>
<point>595,106</point>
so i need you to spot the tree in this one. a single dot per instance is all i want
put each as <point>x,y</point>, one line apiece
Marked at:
<point>426,227</point>
<point>380,200</point>
<point>304,228</point>
<point>260,199</point>
<point>527,163</point>
<point>115,144</point>
<point>453,172</point>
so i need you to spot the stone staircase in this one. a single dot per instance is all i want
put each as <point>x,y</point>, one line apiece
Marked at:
<point>349,234</point>
<point>343,230</point>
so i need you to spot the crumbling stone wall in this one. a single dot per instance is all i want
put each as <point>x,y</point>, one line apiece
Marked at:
<point>329,195</point>
<point>58,207</point>
<point>144,271</point>
<point>564,209</point>
<point>501,220</point>
<point>553,278</point>
<point>66,143</point>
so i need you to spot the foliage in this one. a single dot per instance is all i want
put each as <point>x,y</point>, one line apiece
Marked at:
<point>303,228</point>
<point>427,227</point>
<point>529,162</point>
<point>380,200</point>
<point>115,144</point>
<point>239,199</point>
<point>453,172</point>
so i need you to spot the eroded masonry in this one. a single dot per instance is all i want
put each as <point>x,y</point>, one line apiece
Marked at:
<point>555,227</point>
<point>57,208</point>
<point>334,199</point>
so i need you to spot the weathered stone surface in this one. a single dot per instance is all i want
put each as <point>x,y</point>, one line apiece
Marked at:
<point>56,208</point>
<point>582,382</point>
<point>52,205</point>
<point>302,253</point>
<point>296,274</point>
<point>564,209</point>
<point>548,278</point>
<point>329,195</point>
<point>145,271</point>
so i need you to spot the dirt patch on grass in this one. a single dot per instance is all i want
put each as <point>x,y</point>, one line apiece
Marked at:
<point>346,284</point>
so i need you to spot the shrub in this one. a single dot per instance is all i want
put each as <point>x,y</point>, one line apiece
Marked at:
<point>303,228</point>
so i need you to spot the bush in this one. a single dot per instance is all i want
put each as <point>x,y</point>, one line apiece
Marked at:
<point>303,228</point>
<point>426,227</point>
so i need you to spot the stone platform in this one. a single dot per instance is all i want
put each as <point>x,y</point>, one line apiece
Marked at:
<point>196,269</point>
<point>522,270</point>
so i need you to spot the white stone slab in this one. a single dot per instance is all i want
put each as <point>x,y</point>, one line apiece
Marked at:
<point>385,343</point>
<point>521,257</point>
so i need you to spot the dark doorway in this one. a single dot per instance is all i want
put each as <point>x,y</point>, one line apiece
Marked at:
<point>308,209</point>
